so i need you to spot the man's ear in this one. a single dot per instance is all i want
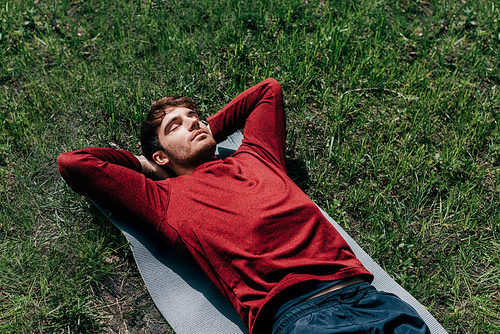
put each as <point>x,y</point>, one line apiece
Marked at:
<point>160,158</point>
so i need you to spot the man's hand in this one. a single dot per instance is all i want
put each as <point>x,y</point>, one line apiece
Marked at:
<point>152,170</point>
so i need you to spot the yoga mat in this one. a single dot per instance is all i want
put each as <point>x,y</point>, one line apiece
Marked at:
<point>188,299</point>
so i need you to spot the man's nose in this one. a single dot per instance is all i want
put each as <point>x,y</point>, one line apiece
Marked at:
<point>194,124</point>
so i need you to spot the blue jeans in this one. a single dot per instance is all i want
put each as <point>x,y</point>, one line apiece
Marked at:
<point>358,308</point>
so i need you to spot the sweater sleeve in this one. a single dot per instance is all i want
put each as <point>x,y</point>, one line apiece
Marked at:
<point>112,179</point>
<point>259,110</point>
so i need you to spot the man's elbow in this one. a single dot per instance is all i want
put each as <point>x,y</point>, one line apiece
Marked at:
<point>63,162</point>
<point>68,164</point>
<point>272,88</point>
<point>274,84</point>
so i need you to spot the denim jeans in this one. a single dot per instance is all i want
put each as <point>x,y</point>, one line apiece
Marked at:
<point>358,308</point>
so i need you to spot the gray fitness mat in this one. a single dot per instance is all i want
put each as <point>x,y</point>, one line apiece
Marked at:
<point>190,302</point>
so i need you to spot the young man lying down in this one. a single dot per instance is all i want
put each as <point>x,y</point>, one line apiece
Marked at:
<point>258,237</point>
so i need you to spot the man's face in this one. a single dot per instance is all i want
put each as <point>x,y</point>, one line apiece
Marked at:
<point>187,142</point>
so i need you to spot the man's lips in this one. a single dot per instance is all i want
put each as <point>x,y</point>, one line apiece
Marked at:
<point>198,133</point>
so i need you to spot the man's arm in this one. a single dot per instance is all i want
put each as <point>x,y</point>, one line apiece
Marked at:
<point>259,110</point>
<point>114,179</point>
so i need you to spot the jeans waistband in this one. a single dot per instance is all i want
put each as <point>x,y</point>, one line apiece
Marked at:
<point>348,294</point>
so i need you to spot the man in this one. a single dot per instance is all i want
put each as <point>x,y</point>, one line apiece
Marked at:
<point>258,237</point>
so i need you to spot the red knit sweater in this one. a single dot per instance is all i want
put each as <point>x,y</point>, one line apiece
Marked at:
<point>251,229</point>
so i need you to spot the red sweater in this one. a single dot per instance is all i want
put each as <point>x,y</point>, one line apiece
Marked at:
<point>257,236</point>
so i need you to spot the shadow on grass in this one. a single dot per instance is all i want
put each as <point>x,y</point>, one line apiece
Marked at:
<point>297,171</point>
<point>128,305</point>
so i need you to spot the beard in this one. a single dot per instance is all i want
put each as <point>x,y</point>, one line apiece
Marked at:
<point>189,157</point>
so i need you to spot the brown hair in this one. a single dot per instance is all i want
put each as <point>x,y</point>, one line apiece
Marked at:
<point>149,127</point>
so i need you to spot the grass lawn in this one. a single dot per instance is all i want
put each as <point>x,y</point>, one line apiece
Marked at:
<point>393,112</point>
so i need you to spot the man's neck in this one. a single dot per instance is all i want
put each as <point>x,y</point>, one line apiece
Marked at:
<point>188,170</point>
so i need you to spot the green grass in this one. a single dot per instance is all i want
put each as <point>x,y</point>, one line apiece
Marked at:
<point>393,111</point>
